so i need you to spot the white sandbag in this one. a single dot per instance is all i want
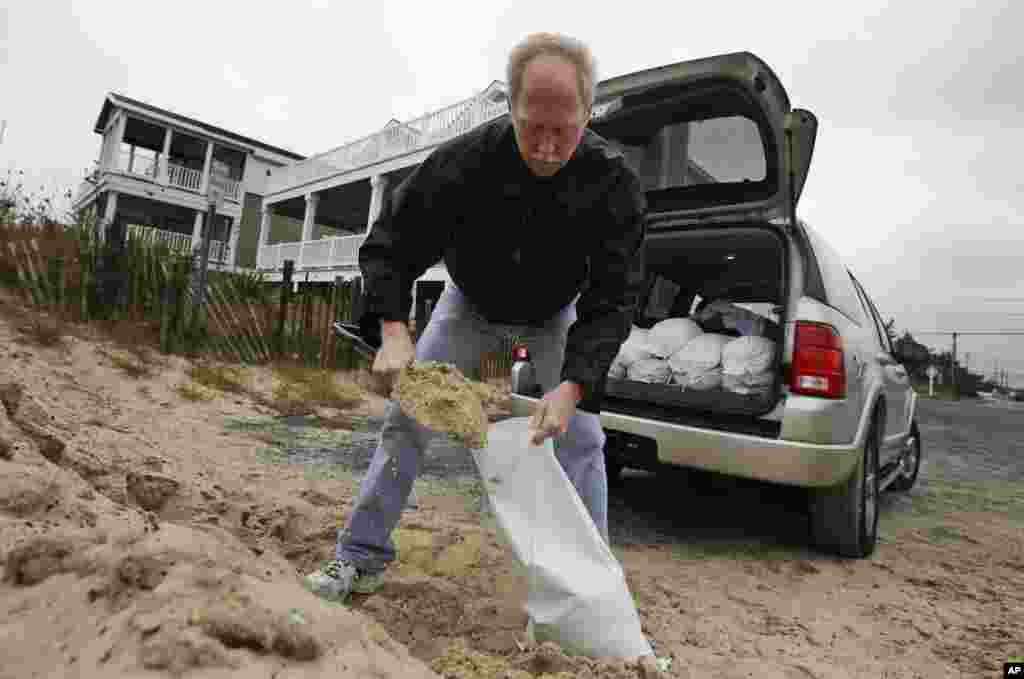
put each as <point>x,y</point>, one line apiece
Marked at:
<point>733,317</point>
<point>739,385</point>
<point>699,355</point>
<point>700,381</point>
<point>635,348</point>
<point>650,370</point>
<point>617,370</point>
<point>748,356</point>
<point>578,595</point>
<point>672,334</point>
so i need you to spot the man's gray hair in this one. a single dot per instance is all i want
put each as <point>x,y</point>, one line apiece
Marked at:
<point>543,44</point>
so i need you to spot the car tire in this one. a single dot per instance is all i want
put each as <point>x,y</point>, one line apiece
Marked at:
<point>844,518</point>
<point>908,477</point>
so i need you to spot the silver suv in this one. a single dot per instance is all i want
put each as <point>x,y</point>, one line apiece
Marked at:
<point>724,159</point>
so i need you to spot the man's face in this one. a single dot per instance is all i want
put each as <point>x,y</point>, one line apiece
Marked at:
<point>549,117</point>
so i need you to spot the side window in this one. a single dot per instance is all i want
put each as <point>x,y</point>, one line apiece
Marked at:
<point>872,313</point>
<point>840,296</point>
<point>663,294</point>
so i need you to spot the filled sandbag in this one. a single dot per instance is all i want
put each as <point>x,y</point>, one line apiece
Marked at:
<point>618,370</point>
<point>635,348</point>
<point>739,385</point>
<point>750,355</point>
<point>699,381</point>
<point>672,334</point>
<point>650,370</point>
<point>699,355</point>
<point>724,315</point>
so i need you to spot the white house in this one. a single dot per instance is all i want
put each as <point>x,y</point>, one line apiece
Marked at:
<point>155,165</point>
<point>153,170</point>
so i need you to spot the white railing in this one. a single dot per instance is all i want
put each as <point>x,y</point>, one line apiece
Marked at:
<point>184,177</point>
<point>421,133</point>
<point>218,250</point>
<point>138,165</point>
<point>179,242</point>
<point>338,251</point>
<point>232,189</point>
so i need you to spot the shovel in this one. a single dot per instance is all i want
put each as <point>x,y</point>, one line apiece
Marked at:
<point>367,348</point>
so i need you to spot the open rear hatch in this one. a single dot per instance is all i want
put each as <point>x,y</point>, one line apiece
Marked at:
<point>723,159</point>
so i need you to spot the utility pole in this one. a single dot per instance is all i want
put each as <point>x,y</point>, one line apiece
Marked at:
<point>3,131</point>
<point>201,263</point>
<point>956,378</point>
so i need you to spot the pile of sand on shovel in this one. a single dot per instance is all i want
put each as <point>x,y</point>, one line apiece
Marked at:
<point>441,398</point>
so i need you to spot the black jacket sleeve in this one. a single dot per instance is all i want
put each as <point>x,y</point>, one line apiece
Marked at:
<point>607,307</point>
<point>407,238</point>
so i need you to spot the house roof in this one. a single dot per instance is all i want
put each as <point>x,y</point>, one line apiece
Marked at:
<point>115,99</point>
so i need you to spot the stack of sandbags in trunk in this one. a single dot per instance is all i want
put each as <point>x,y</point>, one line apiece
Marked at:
<point>698,364</point>
<point>748,365</point>
<point>663,340</point>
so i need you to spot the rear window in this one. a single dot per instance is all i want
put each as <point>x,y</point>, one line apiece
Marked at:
<point>692,153</point>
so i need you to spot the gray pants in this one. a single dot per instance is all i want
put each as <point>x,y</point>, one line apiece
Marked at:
<point>457,334</point>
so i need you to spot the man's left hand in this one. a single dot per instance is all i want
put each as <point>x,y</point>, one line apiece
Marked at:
<point>554,412</point>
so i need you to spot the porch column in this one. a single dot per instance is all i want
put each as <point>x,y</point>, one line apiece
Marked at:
<point>207,165</point>
<point>108,216</point>
<point>379,183</point>
<point>114,160</point>
<point>165,157</point>
<point>309,220</point>
<point>265,215</point>
<point>234,224</point>
<point>197,231</point>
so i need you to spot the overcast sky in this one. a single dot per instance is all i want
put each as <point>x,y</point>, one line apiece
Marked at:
<point>916,178</point>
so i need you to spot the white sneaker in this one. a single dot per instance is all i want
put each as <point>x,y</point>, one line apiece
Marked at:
<point>338,579</point>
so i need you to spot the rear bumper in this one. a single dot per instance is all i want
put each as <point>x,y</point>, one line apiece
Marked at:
<point>780,461</point>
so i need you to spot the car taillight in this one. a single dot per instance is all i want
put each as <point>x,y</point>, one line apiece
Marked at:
<point>818,368</point>
<point>520,353</point>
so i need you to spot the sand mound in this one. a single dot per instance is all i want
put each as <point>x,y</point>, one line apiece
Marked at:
<point>547,661</point>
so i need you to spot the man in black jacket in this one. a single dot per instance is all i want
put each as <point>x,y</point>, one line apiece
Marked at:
<point>538,221</point>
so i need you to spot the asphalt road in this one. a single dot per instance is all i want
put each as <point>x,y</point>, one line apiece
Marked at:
<point>966,440</point>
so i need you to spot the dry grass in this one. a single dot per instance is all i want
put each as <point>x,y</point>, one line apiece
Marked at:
<point>229,379</point>
<point>299,390</point>
<point>190,391</point>
<point>130,364</point>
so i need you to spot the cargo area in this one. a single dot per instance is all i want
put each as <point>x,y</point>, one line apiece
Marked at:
<point>706,344</point>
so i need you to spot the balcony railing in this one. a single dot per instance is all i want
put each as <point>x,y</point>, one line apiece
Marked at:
<point>184,177</point>
<point>415,135</point>
<point>178,176</point>
<point>179,242</point>
<point>339,251</point>
<point>218,250</point>
<point>138,165</point>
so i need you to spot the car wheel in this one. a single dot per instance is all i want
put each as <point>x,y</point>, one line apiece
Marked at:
<point>844,519</point>
<point>911,462</point>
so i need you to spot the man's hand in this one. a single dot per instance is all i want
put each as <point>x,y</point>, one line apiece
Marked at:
<point>554,412</point>
<point>396,352</point>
